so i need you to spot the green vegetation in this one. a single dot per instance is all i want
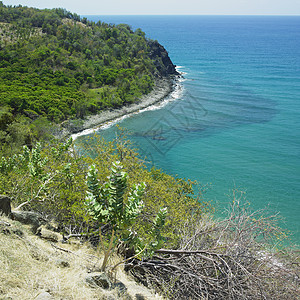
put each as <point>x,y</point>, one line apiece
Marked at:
<point>51,179</point>
<point>240,257</point>
<point>55,65</point>
<point>107,206</point>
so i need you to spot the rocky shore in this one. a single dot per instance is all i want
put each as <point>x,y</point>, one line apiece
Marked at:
<point>75,128</point>
<point>166,81</point>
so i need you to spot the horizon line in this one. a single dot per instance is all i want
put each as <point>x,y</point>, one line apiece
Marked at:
<point>230,15</point>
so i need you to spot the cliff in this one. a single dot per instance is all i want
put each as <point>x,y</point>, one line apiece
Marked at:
<point>161,59</point>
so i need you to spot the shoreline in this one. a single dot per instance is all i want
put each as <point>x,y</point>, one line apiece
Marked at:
<point>162,89</point>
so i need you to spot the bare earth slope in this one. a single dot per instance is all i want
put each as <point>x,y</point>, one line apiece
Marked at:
<point>36,268</point>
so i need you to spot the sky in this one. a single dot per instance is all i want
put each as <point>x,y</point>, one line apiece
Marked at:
<point>168,7</point>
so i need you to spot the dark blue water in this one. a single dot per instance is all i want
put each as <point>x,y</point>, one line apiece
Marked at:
<point>236,123</point>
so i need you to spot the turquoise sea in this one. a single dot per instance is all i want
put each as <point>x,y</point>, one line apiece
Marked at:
<point>235,121</point>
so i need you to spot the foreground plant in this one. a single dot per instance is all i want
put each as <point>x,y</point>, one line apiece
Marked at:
<point>107,205</point>
<point>239,257</point>
<point>33,171</point>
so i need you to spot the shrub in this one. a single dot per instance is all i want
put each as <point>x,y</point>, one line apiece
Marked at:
<point>108,206</point>
<point>51,179</point>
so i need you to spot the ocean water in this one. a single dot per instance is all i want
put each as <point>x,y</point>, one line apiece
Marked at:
<point>234,121</point>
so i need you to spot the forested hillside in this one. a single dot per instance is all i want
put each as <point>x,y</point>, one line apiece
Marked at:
<point>55,69</point>
<point>55,65</point>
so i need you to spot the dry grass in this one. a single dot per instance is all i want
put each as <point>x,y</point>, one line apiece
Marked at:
<point>30,266</point>
<point>8,34</point>
<point>239,257</point>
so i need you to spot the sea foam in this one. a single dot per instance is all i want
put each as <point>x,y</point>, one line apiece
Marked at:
<point>174,95</point>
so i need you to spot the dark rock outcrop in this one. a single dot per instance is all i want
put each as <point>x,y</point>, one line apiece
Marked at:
<point>29,218</point>
<point>161,59</point>
<point>62,263</point>
<point>120,288</point>
<point>73,126</point>
<point>99,279</point>
<point>5,206</point>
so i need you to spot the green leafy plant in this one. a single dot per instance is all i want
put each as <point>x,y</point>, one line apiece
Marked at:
<point>107,204</point>
<point>31,173</point>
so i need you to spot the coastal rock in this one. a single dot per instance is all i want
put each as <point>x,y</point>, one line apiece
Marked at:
<point>73,126</point>
<point>120,288</point>
<point>29,218</point>
<point>62,263</point>
<point>44,296</point>
<point>5,207</point>
<point>49,235</point>
<point>161,59</point>
<point>99,279</point>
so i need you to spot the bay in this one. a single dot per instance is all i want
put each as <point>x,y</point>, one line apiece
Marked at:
<point>234,123</point>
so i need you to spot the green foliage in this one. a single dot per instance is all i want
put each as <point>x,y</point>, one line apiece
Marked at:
<point>157,239</point>
<point>107,205</point>
<point>6,117</point>
<point>52,178</point>
<point>35,162</point>
<point>162,190</point>
<point>50,59</point>
<point>48,179</point>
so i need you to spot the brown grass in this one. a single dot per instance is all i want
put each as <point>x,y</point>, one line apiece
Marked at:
<point>30,266</point>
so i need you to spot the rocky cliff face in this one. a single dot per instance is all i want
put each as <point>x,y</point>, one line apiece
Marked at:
<point>161,59</point>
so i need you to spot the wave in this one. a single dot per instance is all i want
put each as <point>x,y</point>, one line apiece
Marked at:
<point>174,95</point>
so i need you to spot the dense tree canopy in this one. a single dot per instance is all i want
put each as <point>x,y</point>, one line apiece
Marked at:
<point>55,65</point>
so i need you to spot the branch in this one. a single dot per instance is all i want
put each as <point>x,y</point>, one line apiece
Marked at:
<point>125,260</point>
<point>4,223</point>
<point>62,249</point>
<point>21,205</point>
<point>65,238</point>
<point>37,194</point>
<point>174,267</point>
<point>188,252</point>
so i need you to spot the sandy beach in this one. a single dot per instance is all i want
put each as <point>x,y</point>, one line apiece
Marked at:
<point>163,87</point>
